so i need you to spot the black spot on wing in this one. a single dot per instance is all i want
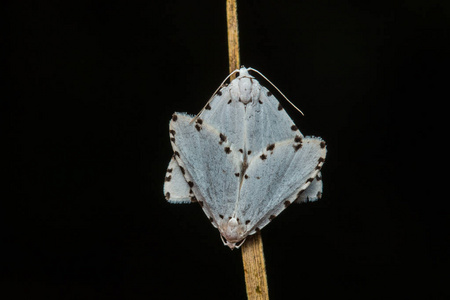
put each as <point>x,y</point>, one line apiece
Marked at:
<point>223,138</point>
<point>298,140</point>
<point>263,156</point>
<point>174,117</point>
<point>168,178</point>
<point>208,107</point>
<point>227,150</point>
<point>320,163</point>
<point>270,147</point>
<point>294,128</point>
<point>167,196</point>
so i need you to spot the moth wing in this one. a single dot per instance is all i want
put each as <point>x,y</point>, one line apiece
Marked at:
<point>252,126</point>
<point>313,192</point>
<point>277,177</point>
<point>226,116</point>
<point>210,165</point>
<point>267,122</point>
<point>176,189</point>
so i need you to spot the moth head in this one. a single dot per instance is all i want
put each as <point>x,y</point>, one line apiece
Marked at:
<point>233,234</point>
<point>243,72</point>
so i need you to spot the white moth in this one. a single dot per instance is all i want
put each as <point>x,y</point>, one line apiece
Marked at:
<point>242,159</point>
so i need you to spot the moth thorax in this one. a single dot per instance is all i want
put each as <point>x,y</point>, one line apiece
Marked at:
<point>233,230</point>
<point>245,89</point>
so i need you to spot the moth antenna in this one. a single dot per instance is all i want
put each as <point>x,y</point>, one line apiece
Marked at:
<point>207,103</point>
<point>251,69</point>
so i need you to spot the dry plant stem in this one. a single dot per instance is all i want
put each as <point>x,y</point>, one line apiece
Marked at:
<point>233,37</point>
<point>255,268</point>
<point>252,249</point>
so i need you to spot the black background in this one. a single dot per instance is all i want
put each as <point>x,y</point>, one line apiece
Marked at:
<point>90,88</point>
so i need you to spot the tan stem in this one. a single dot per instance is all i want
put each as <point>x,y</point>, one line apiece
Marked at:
<point>252,249</point>
<point>233,36</point>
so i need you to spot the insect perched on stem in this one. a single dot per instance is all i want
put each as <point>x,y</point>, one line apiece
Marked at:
<point>242,159</point>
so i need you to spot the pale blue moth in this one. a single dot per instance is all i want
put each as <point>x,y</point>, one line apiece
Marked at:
<point>242,159</point>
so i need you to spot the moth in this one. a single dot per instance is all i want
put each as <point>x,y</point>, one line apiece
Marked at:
<point>242,159</point>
